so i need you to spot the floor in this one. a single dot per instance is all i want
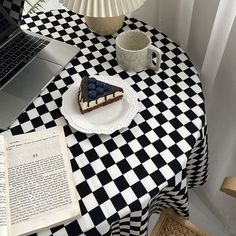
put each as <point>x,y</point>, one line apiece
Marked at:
<point>199,212</point>
<point>199,215</point>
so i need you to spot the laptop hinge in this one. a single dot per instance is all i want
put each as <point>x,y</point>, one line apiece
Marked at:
<point>12,35</point>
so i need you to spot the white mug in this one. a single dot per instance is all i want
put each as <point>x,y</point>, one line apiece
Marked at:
<point>134,51</point>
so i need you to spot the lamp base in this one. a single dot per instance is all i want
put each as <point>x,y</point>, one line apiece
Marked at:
<point>105,25</point>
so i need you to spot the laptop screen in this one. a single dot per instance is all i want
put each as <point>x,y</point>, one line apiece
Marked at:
<point>7,25</point>
<point>14,8</point>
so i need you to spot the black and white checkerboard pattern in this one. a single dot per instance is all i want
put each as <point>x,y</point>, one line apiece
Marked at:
<point>124,177</point>
<point>14,8</point>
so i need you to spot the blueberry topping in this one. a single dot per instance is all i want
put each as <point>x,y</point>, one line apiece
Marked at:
<point>100,90</point>
<point>107,87</point>
<point>96,88</point>
<point>91,86</point>
<point>91,80</point>
<point>92,94</point>
<point>99,83</point>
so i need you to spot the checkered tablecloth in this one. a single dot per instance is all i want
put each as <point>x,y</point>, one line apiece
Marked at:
<point>124,177</point>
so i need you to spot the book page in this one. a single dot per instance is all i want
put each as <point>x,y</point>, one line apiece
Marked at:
<point>41,188</point>
<point>4,211</point>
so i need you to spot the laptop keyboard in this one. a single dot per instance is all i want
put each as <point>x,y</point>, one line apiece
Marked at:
<point>17,53</point>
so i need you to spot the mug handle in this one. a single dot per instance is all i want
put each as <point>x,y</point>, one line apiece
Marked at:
<point>154,50</point>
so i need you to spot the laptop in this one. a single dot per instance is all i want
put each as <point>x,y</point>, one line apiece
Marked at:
<point>28,63</point>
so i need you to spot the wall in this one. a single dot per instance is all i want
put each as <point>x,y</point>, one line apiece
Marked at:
<point>187,22</point>
<point>222,123</point>
<point>149,12</point>
<point>172,17</point>
<point>203,17</point>
<point>52,4</point>
<point>48,5</point>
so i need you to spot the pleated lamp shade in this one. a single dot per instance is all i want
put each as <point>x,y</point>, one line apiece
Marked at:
<point>104,17</point>
<point>102,8</point>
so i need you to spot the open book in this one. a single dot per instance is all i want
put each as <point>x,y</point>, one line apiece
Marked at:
<point>36,183</point>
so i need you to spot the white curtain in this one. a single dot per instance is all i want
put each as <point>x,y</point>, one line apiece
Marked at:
<point>207,31</point>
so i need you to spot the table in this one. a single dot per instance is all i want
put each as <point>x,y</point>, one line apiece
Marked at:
<point>124,177</point>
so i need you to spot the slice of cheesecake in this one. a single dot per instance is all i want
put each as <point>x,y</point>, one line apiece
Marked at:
<point>94,93</point>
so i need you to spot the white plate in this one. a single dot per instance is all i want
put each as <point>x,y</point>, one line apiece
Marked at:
<point>104,120</point>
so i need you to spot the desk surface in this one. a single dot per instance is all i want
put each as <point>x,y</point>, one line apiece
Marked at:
<point>124,177</point>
